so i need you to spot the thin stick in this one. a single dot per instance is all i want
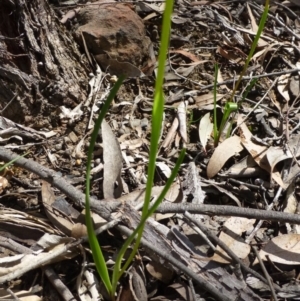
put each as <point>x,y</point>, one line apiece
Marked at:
<point>270,282</point>
<point>222,245</point>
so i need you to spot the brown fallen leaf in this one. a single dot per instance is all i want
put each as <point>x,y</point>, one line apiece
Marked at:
<point>283,249</point>
<point>187,54</point>
<point>112,157</point>
<point>259,153</point>
<point>205,129</point>
<point>282,86</point>
<point>117,68</point>
<point>3,184</point>
<point>222,153</point>
<point>63,223</point>
<point>181,115</point>
<point>246,167</point>
<point>231,236</point>
<point>159,272</point>
<point>205,99</point>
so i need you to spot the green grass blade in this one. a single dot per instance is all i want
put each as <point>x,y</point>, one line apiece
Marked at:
<point>253,46</point>
<point>95,247</point>
<point>157,116</point>
<point>248,89</point>
<point>216,133</point>
<point>229,108</point>
<point>158,105</point>
<point>12,161</point>
<point>228,111</point>
<point>245,94</point>
<point>118,273</point>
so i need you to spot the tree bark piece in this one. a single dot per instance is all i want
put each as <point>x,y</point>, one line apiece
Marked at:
<point>41,68</point>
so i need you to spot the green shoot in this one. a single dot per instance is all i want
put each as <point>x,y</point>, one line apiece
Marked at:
<point>248,89</point>
<point>96,250</point>
<point>245,94</point>
<point>230,106</point>
<point>216,132</point>
<point>253,46</point>
<point>117,274</point>
<point>157,116</point>
<point>12,161</point>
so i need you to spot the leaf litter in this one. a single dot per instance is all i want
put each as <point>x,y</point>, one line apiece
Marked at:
<point>255,168</point>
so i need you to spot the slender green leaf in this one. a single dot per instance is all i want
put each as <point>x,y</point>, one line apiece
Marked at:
<point>229,108</point>
<point>216,134</point>
<point>140,227</point>
<point>157,116</point>
<point>12,161</point>
<point>95,247</point>
<point>253,46</point>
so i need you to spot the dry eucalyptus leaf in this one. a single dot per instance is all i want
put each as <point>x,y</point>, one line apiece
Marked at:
<point>3,183</point>
<point>290,205</point>
<point>230,55</point>
<point>22,295</point>
<point>112,158</point>
<point>295,85</point>
<point>171,134</point>
<point>205,129</point>
<point>159,272</point>
<point>187,54</point>
<point>133,144</point>
<point>56,218</point>
<point>182,290</point>
<point>247,167</point>
<point>275,155</point>
<point>49,241</point>
<point>260,153</point>
<point>204,99</point>
<point>181,114</point>
<point>231,236</point>
<point>185,71</point>
<point>117,68</point>
<point>78,150</point>
<point>283,249</point>
<point>174,195</point>
<point>137,284</point>
<point>254,28</point>
<point>164,168</point>
<point>257,151</point>
<point>222,153</point>
<point>282,86</point>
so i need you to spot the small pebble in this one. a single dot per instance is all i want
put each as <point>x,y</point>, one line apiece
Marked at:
<point>58,146</point>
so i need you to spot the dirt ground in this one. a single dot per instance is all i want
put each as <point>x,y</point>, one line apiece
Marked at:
<point>228,227</point>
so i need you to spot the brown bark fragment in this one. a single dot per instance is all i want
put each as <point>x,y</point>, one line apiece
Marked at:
<point>40,66</point>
